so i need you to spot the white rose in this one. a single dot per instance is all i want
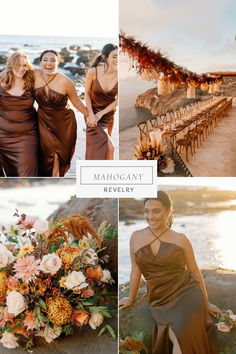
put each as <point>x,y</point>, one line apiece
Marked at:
<point>15,303</point>
<point>95,320</point>
<point>9,340</point>
<point>75,281</point>
<point>50,263</point>
<point>41,226</point>
<point>106,276</point>
<point>233,317</point>
<point>50,334</point>
<point>222,327</point>
<point>5,256</point>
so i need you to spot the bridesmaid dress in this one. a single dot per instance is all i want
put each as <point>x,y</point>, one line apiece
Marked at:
<point>57,130</point>
<point>18,135</point>
<point>176,301</point>
<point>96,137</point>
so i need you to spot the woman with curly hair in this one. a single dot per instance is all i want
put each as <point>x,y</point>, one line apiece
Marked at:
<point>176,291</point>
<point>18,125</point>
<point>101,88</point>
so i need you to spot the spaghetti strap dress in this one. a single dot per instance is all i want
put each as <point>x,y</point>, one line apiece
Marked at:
<point>18,135</point>
<point>96,137</point>
<point>176,301</point>
<point>57,130</point>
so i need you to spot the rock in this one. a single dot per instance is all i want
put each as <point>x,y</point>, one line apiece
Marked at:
<point>3,59</point>
<point>65,56</point>
<point>36,61</point>
<point>221,288</point>
<point>76,70</point>
<point>74,47</point>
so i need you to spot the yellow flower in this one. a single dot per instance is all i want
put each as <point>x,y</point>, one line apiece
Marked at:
<point>23,288</point>
<point>26,249</point>
<point>39,287</point>
<point>59,310</point>
<point>62,282</point>
<point>3,283</point>
<point>67,255</point>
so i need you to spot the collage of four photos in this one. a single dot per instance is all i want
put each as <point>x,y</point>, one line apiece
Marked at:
<point>118,80</point>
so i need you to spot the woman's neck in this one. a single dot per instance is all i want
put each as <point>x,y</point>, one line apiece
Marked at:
<point>158,230</point>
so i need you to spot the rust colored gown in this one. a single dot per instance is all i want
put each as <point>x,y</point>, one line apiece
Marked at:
<point>57,130</point>
<point>97,138</point>
<point>176,301</point>
<point>18,135</point>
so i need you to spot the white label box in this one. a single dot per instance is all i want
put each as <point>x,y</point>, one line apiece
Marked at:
<point>116,178</point>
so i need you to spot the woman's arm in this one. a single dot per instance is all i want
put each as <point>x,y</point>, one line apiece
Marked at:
<point>91,120</point>
<point>135,278</point>
<point>109,108</point>
<point>192,266</point>
<point>72,95</point>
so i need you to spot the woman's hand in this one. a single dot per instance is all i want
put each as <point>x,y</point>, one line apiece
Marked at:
<point>213,310</point>
<point>99,115</point>
<point>91,121</point>
<point>125,302</point>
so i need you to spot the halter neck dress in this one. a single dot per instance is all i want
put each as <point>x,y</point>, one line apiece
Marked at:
<point>57,130</point>
<point>96,137</point>
<point>18,135</point>
<point>176,301</point>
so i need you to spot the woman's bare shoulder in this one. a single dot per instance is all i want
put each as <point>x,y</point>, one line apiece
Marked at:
<point>181,239</point>
<point>136,235</point>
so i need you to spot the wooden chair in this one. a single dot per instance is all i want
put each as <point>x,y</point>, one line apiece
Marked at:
<point>154,122</point>
<point>143,129</point>
<point>185,143</point>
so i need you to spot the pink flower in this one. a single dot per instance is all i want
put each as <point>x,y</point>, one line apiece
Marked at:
<point>6,318</point>
<point>26,222</point>
<point>29,320</point>
<point>27,268</point>
<point>222,327</point>
<point>87,292</point>
<point>13,283</point>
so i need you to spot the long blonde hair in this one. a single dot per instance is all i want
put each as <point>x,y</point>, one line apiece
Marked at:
<point>8,76</point>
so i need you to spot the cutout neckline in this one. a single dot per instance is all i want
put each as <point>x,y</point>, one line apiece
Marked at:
<point>103,88</point>
<point>149,246</point>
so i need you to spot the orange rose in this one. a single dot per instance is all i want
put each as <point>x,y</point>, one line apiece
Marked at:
<point>94,272</point>
<point>79,318</point>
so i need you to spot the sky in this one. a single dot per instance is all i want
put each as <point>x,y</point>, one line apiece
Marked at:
<point>87,18</point>
<point>198,35</point>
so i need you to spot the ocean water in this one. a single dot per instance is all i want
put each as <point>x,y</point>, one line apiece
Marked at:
<point>212,236</point>
<point>33,46</point>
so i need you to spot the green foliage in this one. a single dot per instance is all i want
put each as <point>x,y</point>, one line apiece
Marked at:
<point>67,329</point>
<point>29,344</point>
<point>111,233</point>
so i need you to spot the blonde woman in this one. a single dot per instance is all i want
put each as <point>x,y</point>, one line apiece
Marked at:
<point>18,125</point>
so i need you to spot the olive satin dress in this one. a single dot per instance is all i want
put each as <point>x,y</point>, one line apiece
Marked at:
<point>176,301</point>
<point>57,130</point>
<point>18,135</point>
<point>97,138</point>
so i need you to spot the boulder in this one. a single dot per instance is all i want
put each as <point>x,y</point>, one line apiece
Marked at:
<point>76,70</point>
<point>221,289</point>
<point>3,59</point>
<point>74,47</point>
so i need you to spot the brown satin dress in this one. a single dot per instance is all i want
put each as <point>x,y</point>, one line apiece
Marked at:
<point>18,135</point>
<point>97,138</point>
<point>57,130</point>
<point>176,301</point>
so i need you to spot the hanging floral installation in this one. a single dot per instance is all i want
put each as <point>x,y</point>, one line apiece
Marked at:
<point>154,65</point>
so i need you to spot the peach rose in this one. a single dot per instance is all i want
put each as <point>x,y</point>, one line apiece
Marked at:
<point>79,318</point>
<point>50,334</point>
<point>88,292</point>
<point>95,320</point>
<point>41,226</point>
<point>9,340</point>
<point>5,256</point>
<point>15,303</point>
<point>75,281</point>
<point>94,272</point>
<point>222,327</point>
<point>50,263</point>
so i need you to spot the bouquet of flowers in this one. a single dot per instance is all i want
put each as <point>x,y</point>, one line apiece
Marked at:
<point>51,279</point>
<point>227,320</point>
<point>150,150</point>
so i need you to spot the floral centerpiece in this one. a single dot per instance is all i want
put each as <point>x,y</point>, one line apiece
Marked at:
<point>51,279</point>
<point>150,150</point>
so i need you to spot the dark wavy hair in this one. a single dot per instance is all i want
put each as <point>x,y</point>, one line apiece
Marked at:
<point>106,50</point>
<point>166,201</point>
<point>50,51</point>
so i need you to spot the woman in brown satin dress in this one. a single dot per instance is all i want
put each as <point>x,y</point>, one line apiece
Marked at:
<point>176,289</point>
<point>18,124</point>
<point>101,87</point>
<point>57,124</point>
